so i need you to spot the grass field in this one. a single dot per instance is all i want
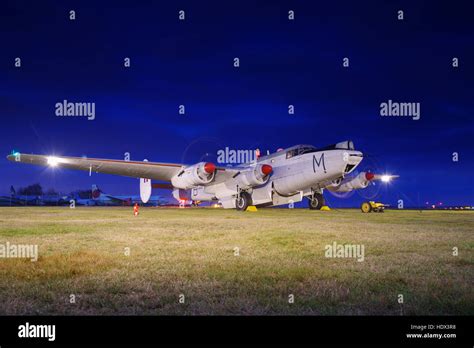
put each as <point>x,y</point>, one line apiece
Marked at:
<point>192,252</point>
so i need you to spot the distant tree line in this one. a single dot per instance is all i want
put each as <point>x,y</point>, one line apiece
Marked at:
<point>37,190</point>
<point>31,190</point>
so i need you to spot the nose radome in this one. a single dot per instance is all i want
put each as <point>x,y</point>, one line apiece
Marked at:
<point>351,160</point>
<point>354,157</point>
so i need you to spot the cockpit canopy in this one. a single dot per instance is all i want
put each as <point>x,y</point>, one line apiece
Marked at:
<point>302,149</point>
<point>299,150</point>
<point>343,145</point>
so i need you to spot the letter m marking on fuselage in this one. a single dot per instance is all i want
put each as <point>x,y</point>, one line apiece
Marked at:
<point>319,162</point>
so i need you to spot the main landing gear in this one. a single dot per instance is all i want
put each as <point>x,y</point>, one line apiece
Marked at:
<point>316,201</point>
<point>243,201</point>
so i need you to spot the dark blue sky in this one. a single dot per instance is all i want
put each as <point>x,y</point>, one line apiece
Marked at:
<point>282,62</point>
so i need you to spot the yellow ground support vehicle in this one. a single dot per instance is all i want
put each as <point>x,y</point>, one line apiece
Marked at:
<point>372,206</point>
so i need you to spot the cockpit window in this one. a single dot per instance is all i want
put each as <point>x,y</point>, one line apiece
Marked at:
<point>345,145</point>
<point>290,154</point>
<point>299,151</point>
<point>306,149</point>
<point>302,149</point>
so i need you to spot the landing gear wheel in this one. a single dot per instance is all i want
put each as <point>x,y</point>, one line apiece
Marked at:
<point>243,201</point>
<point>316,202</point>
<point>366,207</point>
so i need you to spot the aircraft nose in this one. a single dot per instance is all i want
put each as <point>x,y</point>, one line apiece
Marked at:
<point>352,159</point>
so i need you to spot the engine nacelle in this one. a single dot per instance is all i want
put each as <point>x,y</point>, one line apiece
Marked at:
<point>199,174</point>
<point>182,195</point>
<point>359,182</point>
<point>252,177</point>
<point>194,194</point>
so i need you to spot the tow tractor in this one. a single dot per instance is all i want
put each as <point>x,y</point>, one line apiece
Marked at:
<point>371,206</point>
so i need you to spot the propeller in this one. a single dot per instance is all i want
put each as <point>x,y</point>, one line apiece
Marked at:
<point>203,149</point>
<point>374,171</point>
<point>385,177</point>
<point>341,195</point>
<point>367,180</point>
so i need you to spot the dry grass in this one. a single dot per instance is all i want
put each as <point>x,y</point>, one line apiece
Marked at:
<point>191,252</point>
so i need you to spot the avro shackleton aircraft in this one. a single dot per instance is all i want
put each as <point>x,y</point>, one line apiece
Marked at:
<point>280,178</point>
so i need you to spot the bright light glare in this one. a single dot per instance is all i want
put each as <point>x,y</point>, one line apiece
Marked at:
<point>53,161</point>
<point>385,178</point>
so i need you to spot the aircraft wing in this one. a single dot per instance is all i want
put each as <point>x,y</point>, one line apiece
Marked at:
<point>149,170</point>
<point>227,173</point>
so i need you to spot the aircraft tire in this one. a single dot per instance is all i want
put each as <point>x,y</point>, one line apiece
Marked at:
<point>243,201</point>
<point>316,202</point>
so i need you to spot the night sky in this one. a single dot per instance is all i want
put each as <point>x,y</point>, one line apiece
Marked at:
<point>282,62</point>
